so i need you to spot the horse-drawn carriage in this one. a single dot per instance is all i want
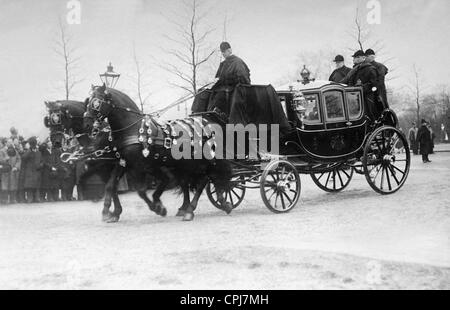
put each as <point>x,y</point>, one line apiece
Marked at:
<point>327,133</point>
<point>331,138</point>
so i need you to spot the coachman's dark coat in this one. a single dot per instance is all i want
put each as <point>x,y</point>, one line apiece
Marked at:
<point>232,71</point>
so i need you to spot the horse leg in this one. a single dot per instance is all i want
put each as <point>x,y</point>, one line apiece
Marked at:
<point>142,192</point>
<point>186,199</point>
<point>110,191</point>
<point>226,206</point>
<point>189,215</point>
<point>161,187</point>
<point>118,172</point>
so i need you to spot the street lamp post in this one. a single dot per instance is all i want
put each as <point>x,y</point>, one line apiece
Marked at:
<point>110,77</point>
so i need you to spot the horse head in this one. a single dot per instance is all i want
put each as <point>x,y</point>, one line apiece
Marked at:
<point>105,103</point>
<point>63,119</point>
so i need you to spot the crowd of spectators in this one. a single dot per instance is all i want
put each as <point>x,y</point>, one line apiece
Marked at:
<point>31,171</point>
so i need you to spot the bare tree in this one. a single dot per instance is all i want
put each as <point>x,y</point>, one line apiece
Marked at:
<point>65,48</point>
<point>141,85</point>
<point>417,91</point>
<point>361,35</point>
<point>192,51</point>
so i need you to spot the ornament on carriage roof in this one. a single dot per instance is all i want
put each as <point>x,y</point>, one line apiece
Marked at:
<point>306,76</point>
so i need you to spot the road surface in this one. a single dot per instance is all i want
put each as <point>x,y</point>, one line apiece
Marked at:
<point>356,239</point>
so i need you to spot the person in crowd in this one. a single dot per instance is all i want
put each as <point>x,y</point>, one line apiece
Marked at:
<point>51,168</point>
<point>382,71</point>
<point>10,180</point>
<point>5,168</point>
<point>412,137</point>
<point>341,70</point>
<point>424,140</point>
<point>68,176</point>
<point>433,136</point>
<point>19,146</point>
<point>31,170</point>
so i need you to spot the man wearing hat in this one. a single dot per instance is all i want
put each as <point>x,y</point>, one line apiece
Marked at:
<point>382,70</point>
<point>341,70</point>
<point>232,71</point>
<point>424,140</point>
<point>365,74</point>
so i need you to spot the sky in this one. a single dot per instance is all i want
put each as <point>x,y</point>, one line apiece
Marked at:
<point>268,35</point>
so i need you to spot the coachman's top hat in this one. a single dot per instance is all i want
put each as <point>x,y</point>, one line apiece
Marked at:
<point>224,46</point>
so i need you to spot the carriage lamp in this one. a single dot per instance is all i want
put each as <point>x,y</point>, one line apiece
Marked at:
<point>110,77</point>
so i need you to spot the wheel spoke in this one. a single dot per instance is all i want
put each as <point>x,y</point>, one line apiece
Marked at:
<point>382,178</point>
<point>334,179</point>
<point>396,168</point>
<point>231,198</point>
<point>328,178</point>
<point>388,179</point>
<point>287,197</point>
<point>274,192</point>
<point>340,178</point>
<point>282,201</point>
<point>318,179</point>
<point>393,175</point>
<point>345,172</point>
<point>376,175</point>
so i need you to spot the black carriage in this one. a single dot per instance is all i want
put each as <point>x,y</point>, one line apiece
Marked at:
<point>332,137</point>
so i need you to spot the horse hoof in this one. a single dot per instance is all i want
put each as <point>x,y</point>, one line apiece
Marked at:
<point>188,217</point>
<point>107,216</point>
<point>163,212</point>
<point>180,212</point>
<point>228,207</point>
<point>113,219</point>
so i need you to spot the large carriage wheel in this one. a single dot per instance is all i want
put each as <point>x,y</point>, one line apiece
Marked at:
<point>335,180</point>
<point>386,160</point>
<point>235,195</point>
<point>280,186</point>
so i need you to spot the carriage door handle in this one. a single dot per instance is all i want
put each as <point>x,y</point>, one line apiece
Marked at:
<point>349,123</point>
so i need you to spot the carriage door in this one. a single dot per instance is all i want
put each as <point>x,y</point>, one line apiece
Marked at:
<point>335,114</point>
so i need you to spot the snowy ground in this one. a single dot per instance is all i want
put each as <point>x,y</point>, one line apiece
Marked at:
<point>353,240</point>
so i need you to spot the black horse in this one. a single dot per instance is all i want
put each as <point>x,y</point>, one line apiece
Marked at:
<point>65,120</point>
<point>152,156</point>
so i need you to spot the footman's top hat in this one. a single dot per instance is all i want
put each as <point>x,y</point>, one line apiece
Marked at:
<point>358,54</point>
<point>224,46</point>
<point>370,52</point>
<point>338,58</point>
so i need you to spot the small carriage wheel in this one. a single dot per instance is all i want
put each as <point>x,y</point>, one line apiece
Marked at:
<point>235,195</point>
<point>335,180</point>
<point>280,186</point>
<point>386,160</point>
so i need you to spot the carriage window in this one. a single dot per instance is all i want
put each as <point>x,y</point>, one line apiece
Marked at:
<point>334,105</point>
<point>354,104</point>
<point>312,109</point>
